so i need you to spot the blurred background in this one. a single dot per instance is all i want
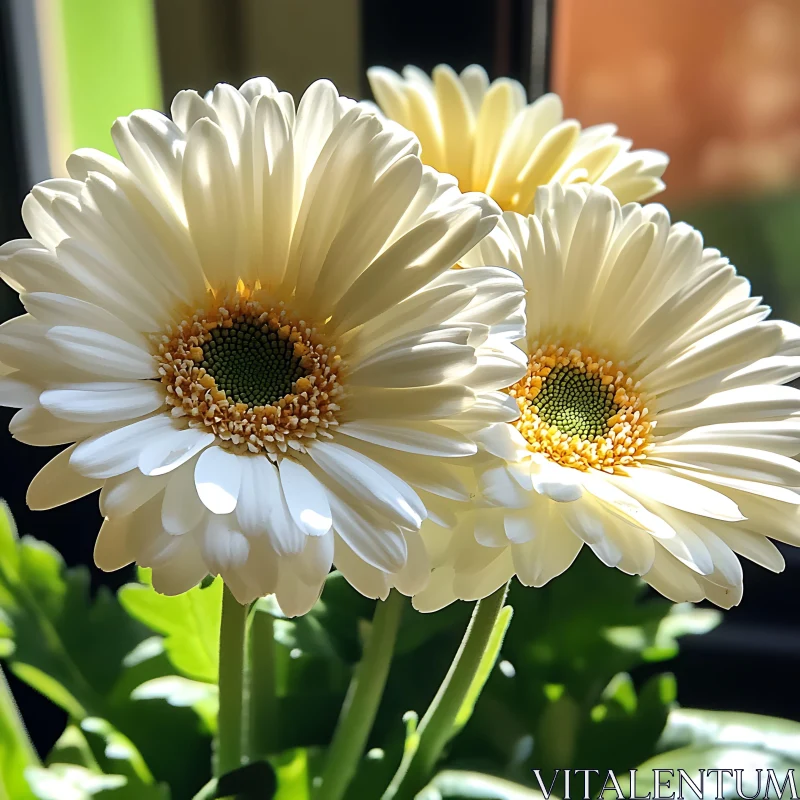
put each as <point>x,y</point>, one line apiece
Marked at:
<point>716,84</point>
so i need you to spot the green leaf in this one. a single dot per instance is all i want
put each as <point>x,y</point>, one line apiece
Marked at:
<point>184,693</point>
<point>95,746</point>
<point>16,750</point>
<point>69,782</point>
<point>693,760</point>
<point>72,748</point>
<point>698,728</point>
<point>488,660</point>
<point>88,656</point>
<point>292,772</point>
<point>461,784</point>
<point>697,740</point>
<point>190,623</point>
<point>117,753</point>
<point>66,647</point>
<point>621,692</point>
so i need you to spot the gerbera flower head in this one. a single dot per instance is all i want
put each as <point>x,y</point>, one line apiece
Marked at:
<point>654,424</point>
<point>494,141</point>
<point>249,329</point>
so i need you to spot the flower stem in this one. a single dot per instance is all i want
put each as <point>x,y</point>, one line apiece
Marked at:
<point>362,700</point>
<point>230,724</point>
<point>438,724</point>
<point>263,720</point>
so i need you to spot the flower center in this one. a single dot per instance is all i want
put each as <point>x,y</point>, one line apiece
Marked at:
<point>255,375</point>
<point>251,363</point>
<point>582,411</point>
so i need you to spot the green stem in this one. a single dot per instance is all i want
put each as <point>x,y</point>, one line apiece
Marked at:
<point>263,719</point>
<point>437,725</point>
<point>230,724</point>
<point>362,700</point>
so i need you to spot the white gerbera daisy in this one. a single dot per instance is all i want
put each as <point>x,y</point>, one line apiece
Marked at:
<point>654,427</point>
<point>250,329</point>
<point>494,142</point>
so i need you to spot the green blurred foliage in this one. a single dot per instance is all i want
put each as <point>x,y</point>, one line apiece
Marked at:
<point>16,751</point>
<point>697,740</point>
<point>136,675</point>
<point>87,656</point>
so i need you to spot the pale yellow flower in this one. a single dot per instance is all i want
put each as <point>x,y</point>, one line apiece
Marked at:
<point>494,141</point>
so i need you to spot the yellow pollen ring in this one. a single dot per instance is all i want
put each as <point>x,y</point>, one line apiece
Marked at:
<point>303,381</point>
<point>600,399</point>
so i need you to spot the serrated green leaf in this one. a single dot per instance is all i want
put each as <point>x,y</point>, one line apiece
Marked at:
<point>66,647</point>
<point>189,622</point>
<point>88,656</point>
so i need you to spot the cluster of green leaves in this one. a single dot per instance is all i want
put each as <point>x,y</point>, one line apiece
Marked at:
<point>91,658</point>
<point>136,675</point>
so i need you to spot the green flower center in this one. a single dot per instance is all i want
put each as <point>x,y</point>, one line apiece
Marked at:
<point>251,363</point>
<point>575,403</point>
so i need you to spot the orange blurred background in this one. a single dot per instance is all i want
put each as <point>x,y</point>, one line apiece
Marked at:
<point>714,83</point>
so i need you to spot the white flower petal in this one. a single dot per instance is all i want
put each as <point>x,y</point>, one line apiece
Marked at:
<point>422,438</point>
<point>123,494</point>
<point>101,353</point>
<point>18,393</point>
<point>171,449</point>
<point>557,483</point>
<point>103,402</point>
<point>117,451</point>
<point>380,545</point>
<point>57,483</point>
<point>370,482</point>
<point>224,547</point>
<point>677,492</point>
<point>218,478</point>
<point>414,576</point>
<point>37,426</point>
<point>305,497</point>
<point>113,548</point>
<point>181,509</point>
<point>367,579</point>
<point>56,309</point>
<point>262,510</point>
